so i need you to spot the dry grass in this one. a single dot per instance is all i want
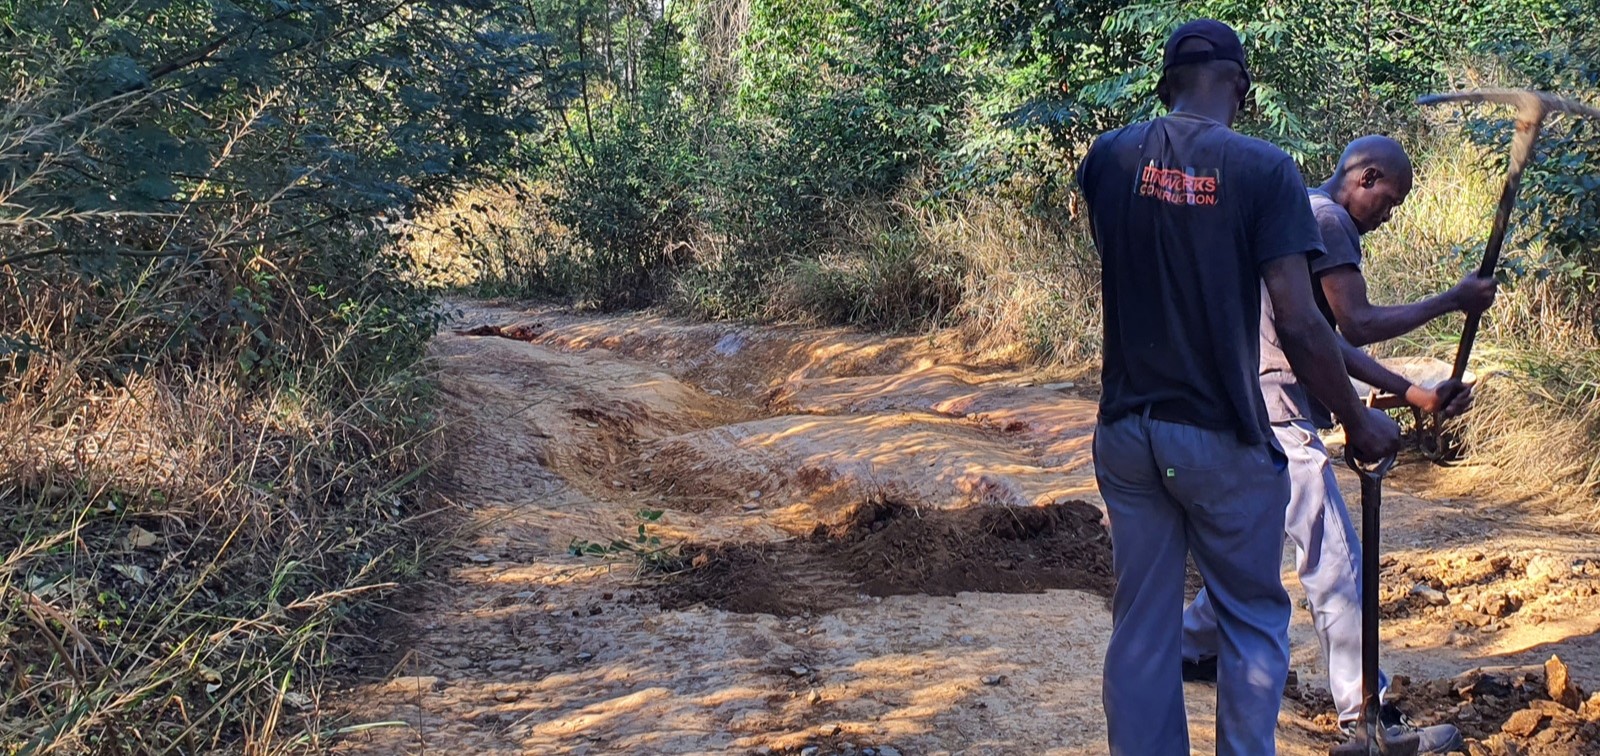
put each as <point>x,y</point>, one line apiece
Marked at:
<point>491,239</point>
<point>210,433</point>
<point>879,272</point>
<point>179,555</point>
<point>1016,286</point>
<point>1534,442</point>
<point>1028,283</point>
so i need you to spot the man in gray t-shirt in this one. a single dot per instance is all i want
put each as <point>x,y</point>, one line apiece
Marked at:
<point>1373,177</point>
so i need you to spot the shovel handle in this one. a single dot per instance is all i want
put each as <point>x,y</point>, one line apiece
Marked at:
<point>1373,738</point>
<point>1372,470</point>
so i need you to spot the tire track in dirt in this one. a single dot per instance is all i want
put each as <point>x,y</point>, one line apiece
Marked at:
<point>846,485</point>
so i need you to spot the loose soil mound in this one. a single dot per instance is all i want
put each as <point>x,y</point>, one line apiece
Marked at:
<point>1510,711</point>
<point>1501,711</point>
<point>885,548</point>
<point>1482,589</point>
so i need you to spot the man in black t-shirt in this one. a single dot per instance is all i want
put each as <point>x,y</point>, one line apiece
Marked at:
<point>1190,219</point>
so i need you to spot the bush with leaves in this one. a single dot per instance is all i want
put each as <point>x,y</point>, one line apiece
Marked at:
<point>1559,204</point>
<point>1324,72</point>
<point>714,161</point>
<point>626,201</point>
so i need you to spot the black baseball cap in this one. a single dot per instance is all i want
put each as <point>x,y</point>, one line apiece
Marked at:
<point>1224,41</point>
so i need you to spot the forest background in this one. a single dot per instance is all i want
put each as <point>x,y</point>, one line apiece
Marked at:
<point>225,229</point>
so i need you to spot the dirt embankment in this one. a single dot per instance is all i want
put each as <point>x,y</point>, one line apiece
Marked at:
<point>852,545</point>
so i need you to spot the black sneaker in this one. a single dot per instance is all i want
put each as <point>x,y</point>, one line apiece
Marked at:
<point>1440,738</point>
<point>1204,670</point>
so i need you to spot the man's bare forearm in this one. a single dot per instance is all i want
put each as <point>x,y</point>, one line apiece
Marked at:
<point>1363,367</point>
<point>1377,323</point>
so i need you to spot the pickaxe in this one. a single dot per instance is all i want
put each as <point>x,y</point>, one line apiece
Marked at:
<point>1532,108</point>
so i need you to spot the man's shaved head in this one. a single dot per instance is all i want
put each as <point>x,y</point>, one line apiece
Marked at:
<point>1373,178</point>
<point>1375,151</point>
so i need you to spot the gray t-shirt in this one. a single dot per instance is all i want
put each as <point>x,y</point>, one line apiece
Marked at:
<point>1286,399</point>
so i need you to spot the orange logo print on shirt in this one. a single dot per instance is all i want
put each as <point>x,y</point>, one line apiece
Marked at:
<point>1177,187</point>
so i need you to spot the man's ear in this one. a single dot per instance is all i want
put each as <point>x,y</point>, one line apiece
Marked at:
<point>1164,92</point>
<point>1370,177</point>
<point>1242,86</point>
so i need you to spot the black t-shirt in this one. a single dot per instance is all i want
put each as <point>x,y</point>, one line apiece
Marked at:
<point>1184,212</point>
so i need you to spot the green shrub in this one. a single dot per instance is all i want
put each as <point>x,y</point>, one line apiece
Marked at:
<point>1559,205</point>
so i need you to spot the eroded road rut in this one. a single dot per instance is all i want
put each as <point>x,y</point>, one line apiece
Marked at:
<point>883,550</point>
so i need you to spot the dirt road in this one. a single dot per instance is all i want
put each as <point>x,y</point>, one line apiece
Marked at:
<point>887,546</point>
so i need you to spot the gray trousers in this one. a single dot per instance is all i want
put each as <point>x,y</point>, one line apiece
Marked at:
<point>1172,490</point>
<point>1328,560</point>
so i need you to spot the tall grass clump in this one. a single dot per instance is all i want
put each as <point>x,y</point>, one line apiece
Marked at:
<point>1031,282</point>
<point>182,557</point>
<point>880,272</point>
<point>496,239</point>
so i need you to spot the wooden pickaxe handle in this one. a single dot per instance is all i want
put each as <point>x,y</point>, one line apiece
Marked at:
<point>1521,153</point>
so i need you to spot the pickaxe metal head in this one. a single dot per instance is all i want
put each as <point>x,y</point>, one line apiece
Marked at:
<point>1531,105</point>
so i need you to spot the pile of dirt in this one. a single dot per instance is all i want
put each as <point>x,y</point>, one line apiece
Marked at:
<point>885,548</point>
<point>1524,711</point>
<point>515,332</point>
<point>1483,591</point>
